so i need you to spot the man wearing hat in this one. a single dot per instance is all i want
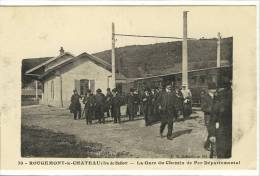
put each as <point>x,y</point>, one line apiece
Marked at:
<point>116,103</point>
<point>108,102</point>
<point>147,106</point>
<point>89,101</point>
<point>130,104</point>
<point>220,123</point>
<point>100,105</point>
<point>167,106</point>
<point>75,106</point>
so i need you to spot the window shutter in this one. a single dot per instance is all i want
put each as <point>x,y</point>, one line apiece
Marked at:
<point>77,85</point>
<point>92,85</point>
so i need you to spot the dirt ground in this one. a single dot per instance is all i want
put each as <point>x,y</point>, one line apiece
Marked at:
<point>130,137</point>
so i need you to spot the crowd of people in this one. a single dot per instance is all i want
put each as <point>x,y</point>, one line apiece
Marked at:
<point>155,104</point>
<point>164,105</point>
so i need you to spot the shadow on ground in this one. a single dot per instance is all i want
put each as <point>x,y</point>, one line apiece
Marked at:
<point>37,142</point>
<point>179,133</point>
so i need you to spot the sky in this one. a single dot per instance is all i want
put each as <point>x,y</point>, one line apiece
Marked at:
<point>29,32</point>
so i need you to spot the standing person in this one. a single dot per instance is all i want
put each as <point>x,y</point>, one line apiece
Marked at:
<point>116,104</point>
<point>141,107</point>
<point>220,128</point>
<point>100,105</point>
<point>180,100</point>
<point>168,111</point>
<point>136,102</point>
<point>152,106</point>
<point>206,106</point>
<point>155,104</point>
<point>108,102</point>
<point>147,106</point>
<point>187,97</point>
<point>75,106</point>
<point>89,101</point>
<point>130,104</point>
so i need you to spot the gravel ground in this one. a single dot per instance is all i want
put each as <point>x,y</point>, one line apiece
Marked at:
<point>128,139</point>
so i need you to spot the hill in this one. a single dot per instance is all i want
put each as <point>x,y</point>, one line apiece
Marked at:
<point>165,58</point>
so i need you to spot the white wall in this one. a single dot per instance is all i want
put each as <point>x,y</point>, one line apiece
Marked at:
<point>83,69</point>
<point>47,98</point>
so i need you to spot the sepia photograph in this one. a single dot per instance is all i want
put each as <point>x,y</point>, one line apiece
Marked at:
<point>129,87</point>
<point>166,99</point>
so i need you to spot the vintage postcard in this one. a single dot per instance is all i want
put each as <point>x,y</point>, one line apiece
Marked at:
<point>131,87</point>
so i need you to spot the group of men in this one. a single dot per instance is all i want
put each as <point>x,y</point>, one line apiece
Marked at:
<point>165,105</point>
<point>96,105</point>
<point>156,104</point>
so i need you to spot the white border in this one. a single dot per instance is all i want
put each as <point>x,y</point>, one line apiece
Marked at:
<point>123,2</point>
<point>143,172</point>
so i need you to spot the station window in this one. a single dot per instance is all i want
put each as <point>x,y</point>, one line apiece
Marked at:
<point>84,86</point>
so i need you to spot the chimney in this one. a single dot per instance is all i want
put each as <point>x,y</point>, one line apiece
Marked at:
<point>61,50</point>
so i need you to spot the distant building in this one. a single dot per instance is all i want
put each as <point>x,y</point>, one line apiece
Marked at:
<point>62,74</point>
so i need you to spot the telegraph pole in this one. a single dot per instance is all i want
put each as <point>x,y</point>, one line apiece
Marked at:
<point>113,81</point>
<point>185,52</point>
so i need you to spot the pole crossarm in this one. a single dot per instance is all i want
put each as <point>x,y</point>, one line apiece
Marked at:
<point>151,36</point>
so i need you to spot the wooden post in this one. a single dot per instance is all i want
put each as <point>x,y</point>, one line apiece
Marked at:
<point>61,99</point>
<point>113,80</point>
<point>36,90</point>
<point>185,52</point>
<point>218,50</point>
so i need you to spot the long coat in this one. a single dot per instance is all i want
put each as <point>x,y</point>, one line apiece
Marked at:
<point>168,101</point>
<point>222,114</point>
<point>100,105</point>
<point>74,103</point>
<point>116,104</point>
<point>109,96</point>
<point>130,104</point>
<point>147,101</point>
<point>89,102</point>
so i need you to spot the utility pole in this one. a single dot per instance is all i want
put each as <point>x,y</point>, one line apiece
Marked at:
<point>218,50</point>
<point>113,81</point>
<point>185,52</point>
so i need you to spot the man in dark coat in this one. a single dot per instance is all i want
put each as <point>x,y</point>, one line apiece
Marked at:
<point>187,105</point>
<point>130,104</point>
<point>136,102</point>
<point>116,104</point>
<point>206,106</point>
<point>100,106</point>
<point>75,106</point>
<point>108,102</point>
<point>155,105</point>
<point>220,128</point>
<point>89,101</point>
<point>180,101</point>
<point>147,106</point>
<point>168,111</point>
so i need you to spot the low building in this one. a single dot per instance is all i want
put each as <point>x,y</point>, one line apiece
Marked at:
<point>64,73</point>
